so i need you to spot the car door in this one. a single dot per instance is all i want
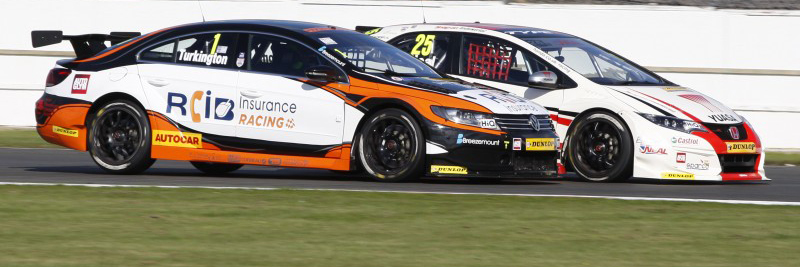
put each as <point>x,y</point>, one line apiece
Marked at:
<point>191,80</point>
<point>276,101</point>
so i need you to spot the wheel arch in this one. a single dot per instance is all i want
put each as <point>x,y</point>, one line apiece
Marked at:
<point>374,105</point>
<point>581,116</point>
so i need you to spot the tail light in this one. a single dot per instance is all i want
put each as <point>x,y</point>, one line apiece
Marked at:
<point>56,76</point>
<point>44,108</point>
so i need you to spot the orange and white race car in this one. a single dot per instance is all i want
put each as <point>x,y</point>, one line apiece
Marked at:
<point>283,93</point>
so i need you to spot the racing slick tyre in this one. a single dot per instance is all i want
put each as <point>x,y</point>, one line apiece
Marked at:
<point>215,168</point>
<point>391,146</point>
<point>600,148</point>
<point>119,138</point>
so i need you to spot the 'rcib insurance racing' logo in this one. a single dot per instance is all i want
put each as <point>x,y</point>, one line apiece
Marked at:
<point>201,106</point>
<point>266,114</point>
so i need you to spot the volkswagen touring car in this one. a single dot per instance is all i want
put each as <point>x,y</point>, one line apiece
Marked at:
<point>225,94</point>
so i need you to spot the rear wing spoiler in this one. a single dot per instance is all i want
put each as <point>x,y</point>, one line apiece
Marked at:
<point>85,45</point>
<point>367,29</point>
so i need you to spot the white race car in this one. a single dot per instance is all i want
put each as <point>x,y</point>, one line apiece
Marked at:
<point>617,118</point>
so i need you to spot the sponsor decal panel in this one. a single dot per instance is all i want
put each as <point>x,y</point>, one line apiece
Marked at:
<point>681,157</point>
<point>677,175</point>
<point>65,131</point>
<point>80,85</point>
<point>517,145</point>
<point>703,165</point>
<point>540,144</point>
<point>675,89</point>
<point>448,169</point>
<point>267,114</point>
<point>644,148</point>
<point>741,147</point>
<point>722,117</point>
<point>201,57</point>
<point>177,139</point>
<point>511,102</point>
<point>469,141</point>
<point>651,150</point>
<point>685,141</point>
<point>222,107</point>
<point>488,123</point>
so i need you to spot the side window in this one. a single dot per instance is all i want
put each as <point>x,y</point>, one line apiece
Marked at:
<point>281,56</point>
<point>578,60</point>
<point>210,49</point>
<point>495,60</point>
<point>160,53</point>
<point>431,48</point>
<point>498,60</point>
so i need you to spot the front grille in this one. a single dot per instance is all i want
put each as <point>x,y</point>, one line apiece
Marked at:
<point>723,130</point>
<point>534,161</point>
<point>521,122</point>
<point>738,162</point>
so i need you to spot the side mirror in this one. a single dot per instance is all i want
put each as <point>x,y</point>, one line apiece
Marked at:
<point>321,74</point>
<point>546,79</point>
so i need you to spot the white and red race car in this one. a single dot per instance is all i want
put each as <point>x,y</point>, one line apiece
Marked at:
<point>617,118</point>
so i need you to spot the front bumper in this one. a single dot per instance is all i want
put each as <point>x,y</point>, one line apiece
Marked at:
<point>661,153</point>
<point>461,153</point>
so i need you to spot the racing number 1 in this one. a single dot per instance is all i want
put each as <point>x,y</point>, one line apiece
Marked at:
<point>216,41</point>
<point>426,43</point>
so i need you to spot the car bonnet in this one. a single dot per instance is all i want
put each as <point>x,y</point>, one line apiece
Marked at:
<point>497,101</point>
<point>681,102</point>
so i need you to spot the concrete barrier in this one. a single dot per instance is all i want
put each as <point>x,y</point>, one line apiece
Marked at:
<point>746,59</point>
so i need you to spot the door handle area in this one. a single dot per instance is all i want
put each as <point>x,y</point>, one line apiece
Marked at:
<point>251,93</point>
<point>158,82</point>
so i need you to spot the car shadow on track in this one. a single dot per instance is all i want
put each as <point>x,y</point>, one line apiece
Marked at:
<point>268,173</point>
<point>575,179</point>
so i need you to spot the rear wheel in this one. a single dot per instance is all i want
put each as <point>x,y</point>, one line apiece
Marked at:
<point>215,168</point>
<point>119,138</point>
<point>600,148</point>
<point>391,146</point>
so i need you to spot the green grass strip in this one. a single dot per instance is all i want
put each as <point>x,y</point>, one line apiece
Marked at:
<point>75,226</point>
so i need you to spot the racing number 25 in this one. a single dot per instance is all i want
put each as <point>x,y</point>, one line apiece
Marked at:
<point>425,42</point>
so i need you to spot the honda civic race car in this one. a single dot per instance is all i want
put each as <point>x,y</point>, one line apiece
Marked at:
<point>281,93</point>
<point>617,118</point>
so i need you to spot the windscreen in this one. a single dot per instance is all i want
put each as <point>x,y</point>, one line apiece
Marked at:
<point>593,62</point>
<point>371,55</point>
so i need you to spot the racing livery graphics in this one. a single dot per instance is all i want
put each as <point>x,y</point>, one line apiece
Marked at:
<point>617,119</point>
<point>284,94</point>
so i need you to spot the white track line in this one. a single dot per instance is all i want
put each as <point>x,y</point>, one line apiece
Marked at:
<point>723,201</point>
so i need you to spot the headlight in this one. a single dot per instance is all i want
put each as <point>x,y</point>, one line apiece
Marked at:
<point>466,117</point>
<point>673,123</point>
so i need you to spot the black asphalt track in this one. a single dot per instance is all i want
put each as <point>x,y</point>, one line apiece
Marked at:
<point>72,167</point>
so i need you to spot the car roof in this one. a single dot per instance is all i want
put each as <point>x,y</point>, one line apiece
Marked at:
<point>517,31</point>
<point>296,26</point>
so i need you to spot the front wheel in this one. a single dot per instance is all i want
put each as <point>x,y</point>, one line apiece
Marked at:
<point>600,148</point>
<point>119,138</point>
<point>391,146</point>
